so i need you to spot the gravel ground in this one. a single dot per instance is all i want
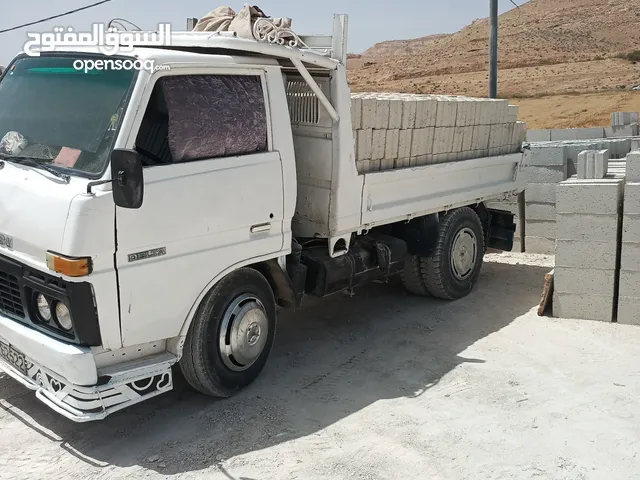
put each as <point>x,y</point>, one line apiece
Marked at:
<point>378,386</point>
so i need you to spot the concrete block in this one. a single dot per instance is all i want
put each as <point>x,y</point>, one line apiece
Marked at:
<point>467,139</point>
<point>622,131</point>
<point>572,253</point>
<point>539,245</point>
<point>629,310</point>
<point>601,164</point>
<point>631,227</point>
<point>356,113</point>
<point>544,229</point>
<point>591,307</point>
<point>422,141</point>
<point>446,113</point>
<point>536,174</point>
<point>391,144</point>
<point>426,110</point>
<point>586,228</point>
<point>633,166</point>
<point>458,139</point>
<point>480,140</point>
<point>540,193</point>
<point>538,136</point>
<point>382,114</point>
<point>632,198</point>
<point>443,140</point>
<point>623,118</point>
<point>598,197</point>
<point>635,144</point>
<point>404,147</point>
<point>629,283</point>
<point>540,211</point>
<point>584,281</point>
<point>409,108</point>
<point>630,256</point>
<point>513,113</point>
<point>365,140</point>
<point>378,139</point>
<point>552,155</point>
<point>395,114</point>
<point>368,113</point>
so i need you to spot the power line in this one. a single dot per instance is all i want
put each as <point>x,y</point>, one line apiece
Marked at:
<point>54,16</point>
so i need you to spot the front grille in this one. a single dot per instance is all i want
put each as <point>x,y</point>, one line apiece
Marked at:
<point>10,300</point>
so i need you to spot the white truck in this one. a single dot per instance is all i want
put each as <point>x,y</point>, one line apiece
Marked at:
<point>154,219</point>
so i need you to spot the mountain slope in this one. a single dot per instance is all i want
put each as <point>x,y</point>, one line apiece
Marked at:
<point>540,32</point>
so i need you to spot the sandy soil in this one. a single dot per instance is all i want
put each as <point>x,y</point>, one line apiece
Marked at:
<point>379,386</point>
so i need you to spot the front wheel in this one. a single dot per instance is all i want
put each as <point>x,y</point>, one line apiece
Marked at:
<point>231,335</point>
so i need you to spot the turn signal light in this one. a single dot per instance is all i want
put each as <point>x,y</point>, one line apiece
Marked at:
<point>69,266</point>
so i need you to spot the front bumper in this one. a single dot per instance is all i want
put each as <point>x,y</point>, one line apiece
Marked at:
<point>65,377</point>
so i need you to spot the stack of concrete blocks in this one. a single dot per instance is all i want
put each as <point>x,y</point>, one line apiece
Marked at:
<point>545,167</point>
<point>593,164</point>
<point>629,287</point>
<point>586,263</point>
<point>394,130</point>
<point>623,124</point>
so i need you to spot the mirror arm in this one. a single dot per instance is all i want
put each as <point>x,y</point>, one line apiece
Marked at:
<point>119,179</point>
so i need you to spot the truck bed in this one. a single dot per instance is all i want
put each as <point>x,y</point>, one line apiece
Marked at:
<point>393,195</point>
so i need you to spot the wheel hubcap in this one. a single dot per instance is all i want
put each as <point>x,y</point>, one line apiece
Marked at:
<point>464,252</point>
<point>243,333</point>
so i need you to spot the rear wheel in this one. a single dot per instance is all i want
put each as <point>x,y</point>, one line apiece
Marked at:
<point>231,335</point>
<point>451,271</point>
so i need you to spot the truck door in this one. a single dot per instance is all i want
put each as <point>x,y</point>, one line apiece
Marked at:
<point>213,196</point>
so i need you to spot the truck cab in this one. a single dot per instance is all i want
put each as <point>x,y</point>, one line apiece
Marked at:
<point>156,218</point>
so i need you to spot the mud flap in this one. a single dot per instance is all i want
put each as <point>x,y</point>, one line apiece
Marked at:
<point>502,229</point>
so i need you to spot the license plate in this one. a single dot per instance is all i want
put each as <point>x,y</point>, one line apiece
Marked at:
<point>13,357</point>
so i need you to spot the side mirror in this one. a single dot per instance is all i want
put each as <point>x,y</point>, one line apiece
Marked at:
<point>127,177</point>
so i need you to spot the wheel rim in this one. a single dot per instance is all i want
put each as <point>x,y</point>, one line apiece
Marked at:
<point>464,252</point>
<point>243,333</point>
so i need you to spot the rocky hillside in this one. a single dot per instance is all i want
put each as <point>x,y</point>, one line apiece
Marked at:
<point>539,33</point>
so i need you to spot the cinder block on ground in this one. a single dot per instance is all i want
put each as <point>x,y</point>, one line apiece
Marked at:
<point>584,281</point>
<point>600,197</point>
<point>633,166</point>
<point>630,228</point>
<point>586,228</point>
<point>629,283</point>
<point>630,256</point>
<point>540,245</point>
<point>577,254</point>
<point>547,156</point>
<point>535,174</point>
<point>540,211</point>
<point>538,136</point>
<point>622,131</point>
<point>629,310</point>
<point>544,229</point>
<point>541,193</point>
<point>585,307</point>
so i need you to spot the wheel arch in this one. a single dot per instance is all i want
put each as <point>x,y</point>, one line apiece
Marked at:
<point>266,266</point>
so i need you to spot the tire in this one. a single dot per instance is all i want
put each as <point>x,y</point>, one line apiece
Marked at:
<point>241,305</point>
<point>460,230</point>
<point>412,276</point>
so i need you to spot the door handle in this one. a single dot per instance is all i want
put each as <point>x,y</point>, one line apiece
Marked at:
<point>261,227</point>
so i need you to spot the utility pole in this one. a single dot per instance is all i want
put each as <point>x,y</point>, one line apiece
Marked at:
<point>493,49</point>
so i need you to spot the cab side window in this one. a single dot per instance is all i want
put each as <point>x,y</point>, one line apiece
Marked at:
<point>197,117</point>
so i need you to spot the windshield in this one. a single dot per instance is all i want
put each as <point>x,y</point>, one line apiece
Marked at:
<point>59,116</point>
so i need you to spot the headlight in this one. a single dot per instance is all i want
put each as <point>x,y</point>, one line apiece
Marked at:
<point>63,316</point>
<point>44,309</point>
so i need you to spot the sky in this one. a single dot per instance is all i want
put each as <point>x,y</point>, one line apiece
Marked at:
<point>370,21</point>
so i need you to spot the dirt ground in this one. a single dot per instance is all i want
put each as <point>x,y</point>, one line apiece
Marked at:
<point>378,386</point>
